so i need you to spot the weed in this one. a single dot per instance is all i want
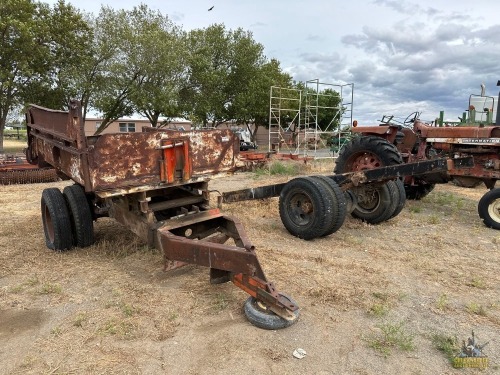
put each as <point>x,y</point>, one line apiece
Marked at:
<point>475,308</point>
<point>379,310</point>
<point>442,302</point>
<point>32,281</point>
<point>446,344</point>
<point>220,301</point>
<point>128,310</point>
<point>433,219</point>
<point>49,288</point>
<point>80,319</point>
<point>392,336</point>
<point>17,289</point>
<point>120,328</point>
<point>477,283</point>
<point>173,316</point>
<point>415,209</point>
<point>56,331</point>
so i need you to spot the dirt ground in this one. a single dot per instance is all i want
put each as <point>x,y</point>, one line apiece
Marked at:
<point>375,299</point>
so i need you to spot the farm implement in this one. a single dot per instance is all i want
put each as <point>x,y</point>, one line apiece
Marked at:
<point>155,183</point>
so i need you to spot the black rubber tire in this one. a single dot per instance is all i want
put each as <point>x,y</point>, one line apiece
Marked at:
<point>372,150</point>
<point>259,316</point>
<point>339,204</point>
<point>56,221</point>
<point>379,207</point>
<point>489,208</point>
<point>466,181</point>
<point>82,225</point>
<point>401,198</point>
<point>306,207</point>
<point>417,192</point>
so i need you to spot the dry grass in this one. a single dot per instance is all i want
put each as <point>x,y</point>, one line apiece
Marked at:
<point>110,309</point>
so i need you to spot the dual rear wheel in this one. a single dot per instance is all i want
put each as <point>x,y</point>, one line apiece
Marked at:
<point>66,218</point>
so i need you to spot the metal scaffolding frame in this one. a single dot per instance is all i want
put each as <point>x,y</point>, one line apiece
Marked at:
<point>284,119</point>
<point>294,117</point>
<point>329,138</point>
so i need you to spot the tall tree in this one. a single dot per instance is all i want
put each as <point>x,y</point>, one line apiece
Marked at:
<point>222,64</point>
<point>30,48</point>
<point>252,105</point>
<point>161,53</point>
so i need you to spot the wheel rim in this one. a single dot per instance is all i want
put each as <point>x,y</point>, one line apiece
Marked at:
<point>368,199</point>
<point>301,209</point>
<point>365,160</point>
<point>494,210</point>
<point>49,225</point>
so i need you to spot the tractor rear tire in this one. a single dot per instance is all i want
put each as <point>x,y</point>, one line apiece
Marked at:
<point>56,220</point>
<point>305,207</point>
<point>366,152</point>
<point>260,316</point>
<point>82,225</point>
<point>489,208</point>
<point>339,204</point>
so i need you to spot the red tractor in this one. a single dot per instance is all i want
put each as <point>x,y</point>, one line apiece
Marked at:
<point>415,140</point>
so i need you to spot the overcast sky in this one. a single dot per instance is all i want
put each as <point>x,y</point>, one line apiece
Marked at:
<point>402,56</point>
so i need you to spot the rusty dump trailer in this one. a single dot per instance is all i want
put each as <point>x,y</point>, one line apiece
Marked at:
<point>156,184</point>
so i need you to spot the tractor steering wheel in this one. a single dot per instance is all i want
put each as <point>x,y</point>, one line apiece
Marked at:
<point>410,119</point>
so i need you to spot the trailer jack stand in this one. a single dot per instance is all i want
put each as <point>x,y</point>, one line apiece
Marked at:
<point>200,239</point>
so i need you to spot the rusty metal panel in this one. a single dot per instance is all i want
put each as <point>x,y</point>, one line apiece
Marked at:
<point>135,159</point>
<point>67,126</point>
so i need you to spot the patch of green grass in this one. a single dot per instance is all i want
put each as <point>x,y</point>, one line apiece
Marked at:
<point>80,319</point>
<point>446,344</point>
<point>120,328</point>
<point>379,310</point>
<point>129,310</point>
<point>17,289</point>
<point>442,302</point>
<point>279,168</point>
<point>56,331</point>
<point>415,209</point>
<point>433,219</point>
<point>476,308</point>
<point>32,281</point>
<point>391,336</point>
<point>477,283</point>
<point>50,288</point>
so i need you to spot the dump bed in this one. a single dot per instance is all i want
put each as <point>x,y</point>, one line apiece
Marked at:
<point>113,164</point>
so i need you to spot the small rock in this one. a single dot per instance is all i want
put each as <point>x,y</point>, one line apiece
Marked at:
<point>299,353</point>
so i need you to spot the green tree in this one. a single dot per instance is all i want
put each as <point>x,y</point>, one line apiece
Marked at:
<point>252,105</point>
<point>321,106</point>
<point>162,58</point>
<point>36,41</point>
<point>222,64</point>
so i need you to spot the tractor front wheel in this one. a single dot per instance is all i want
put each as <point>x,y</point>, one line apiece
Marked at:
<point>489,208</point>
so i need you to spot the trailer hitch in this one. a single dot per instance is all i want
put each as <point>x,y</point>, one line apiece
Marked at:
<point>201,239</point>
